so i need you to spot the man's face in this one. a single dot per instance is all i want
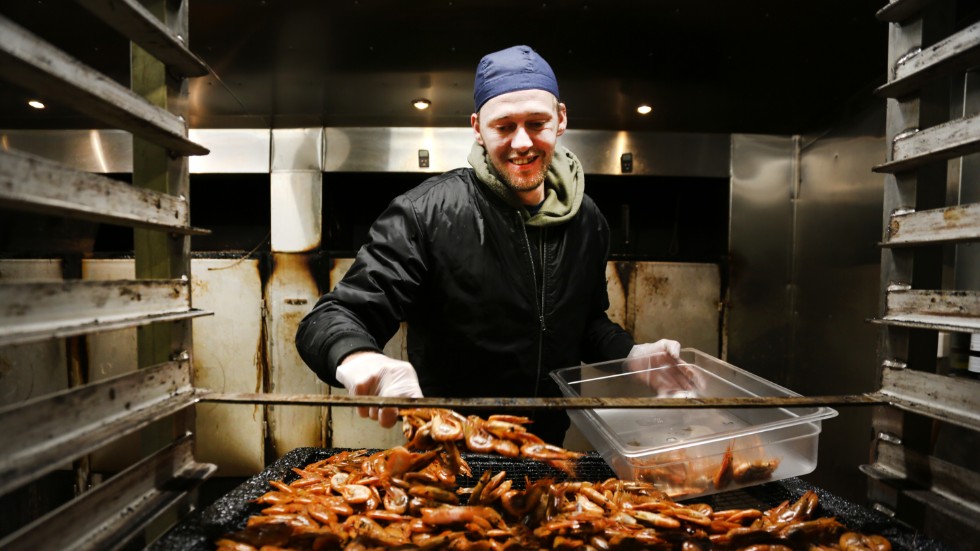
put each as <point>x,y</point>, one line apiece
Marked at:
<point>519,131</point>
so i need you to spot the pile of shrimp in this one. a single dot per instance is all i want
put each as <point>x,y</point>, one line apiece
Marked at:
<point>681,476</point>
<point>410,500</point>
<point>505,435</point>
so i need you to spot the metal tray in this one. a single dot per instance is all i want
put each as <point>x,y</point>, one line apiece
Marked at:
<point>200,529</point>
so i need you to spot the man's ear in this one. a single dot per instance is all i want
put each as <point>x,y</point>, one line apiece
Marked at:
<point>562,119</point>
<point>475,123</point>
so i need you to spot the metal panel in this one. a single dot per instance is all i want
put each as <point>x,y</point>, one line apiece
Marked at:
<point>233,151</point>
<point>110,354</point>
<point>967,269</point>
<point>654,153</point>
<point>956,53</point>
<point>397,150</point>
<point>938,517</point>
<point>616,288</point>
<point>105,151</point>
<point>33,63</point>
<point>948,489</point>
<point>110,515</point>
<point>136,23</point>
<point>297,211</point>
<point>673,301</point>
<point>835,268</point>
<point>290,294</point>
<point>949,480</point>
<point>33,184</point>
<point>764,175</point>
<point>36,311</point>
<point>946,225</point>
<point>34,369</point>
<point>229,436</point>
<point>944,141</point>
<point>378,150</point>
<point>899,10</point>
<point>229,357</point>
<point>297,149</point>
<point>940,310</point>
<point>946,398</point>
<point>86,418</point>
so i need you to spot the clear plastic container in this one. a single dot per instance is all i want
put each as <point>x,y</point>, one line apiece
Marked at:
<point>693,452</point>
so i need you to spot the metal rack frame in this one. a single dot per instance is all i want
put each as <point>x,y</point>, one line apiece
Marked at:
<point>45,433</point>
<point>907,477</point>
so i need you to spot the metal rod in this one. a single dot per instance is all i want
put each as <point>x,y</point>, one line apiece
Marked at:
<point>136,23</point>
<point>582,402</point>
<point>31,183</point>
<point>112,514</point>
<point>954,54</point>
<point>38,311</point>
<point>38,436</point>
<point>33,63</point>
<point>936,143</point>
<point>954,224</point>
<point>897,11</point>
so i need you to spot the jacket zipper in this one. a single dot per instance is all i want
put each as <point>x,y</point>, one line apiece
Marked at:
<point>538,300</point>
<point>541,255</point>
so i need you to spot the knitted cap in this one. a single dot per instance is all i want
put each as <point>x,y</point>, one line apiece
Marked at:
<point>510,70</point>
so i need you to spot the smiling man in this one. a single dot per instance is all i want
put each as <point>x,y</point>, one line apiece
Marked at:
<point>498,269</point>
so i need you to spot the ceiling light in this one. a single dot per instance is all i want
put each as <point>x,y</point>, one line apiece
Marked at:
<point>644,109</point>
<point>421,103</point>
<point>36,104</point>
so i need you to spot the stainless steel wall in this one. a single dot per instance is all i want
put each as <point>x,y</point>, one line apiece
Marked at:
<point>654,154</point>
<point>760,254</point>
<point>378,150</point>
<point>838,267</point>
<point>806,215</point>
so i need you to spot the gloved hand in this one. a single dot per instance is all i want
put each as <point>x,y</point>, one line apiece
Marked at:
<point>663,370</point>
<point>374,374</point>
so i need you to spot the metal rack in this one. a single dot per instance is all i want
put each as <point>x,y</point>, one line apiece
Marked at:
<point>910,475</point>
<point>46,433</point>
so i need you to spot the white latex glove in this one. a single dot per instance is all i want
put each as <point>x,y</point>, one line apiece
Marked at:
<point>663,370</point>
<point>374,374</point>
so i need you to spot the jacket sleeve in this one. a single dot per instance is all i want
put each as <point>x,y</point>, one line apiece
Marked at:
<point>604,339</point>
<point>364,309</point>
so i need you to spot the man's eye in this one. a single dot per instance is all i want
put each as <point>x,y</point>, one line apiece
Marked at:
<point>505,128</point>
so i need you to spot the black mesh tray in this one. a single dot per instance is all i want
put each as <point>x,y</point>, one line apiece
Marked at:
<point>229,513</point>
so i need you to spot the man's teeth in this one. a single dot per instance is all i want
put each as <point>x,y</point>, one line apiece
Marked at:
<point>523,160</point>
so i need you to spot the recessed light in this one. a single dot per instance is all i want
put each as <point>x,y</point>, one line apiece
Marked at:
<point>421,103</point>
<point>36,104</point>
<point>644,109</point>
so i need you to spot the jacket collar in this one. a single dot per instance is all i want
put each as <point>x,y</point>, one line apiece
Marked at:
<point>564,186</point>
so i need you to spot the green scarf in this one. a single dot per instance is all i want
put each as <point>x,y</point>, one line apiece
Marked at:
<point>563,188</point>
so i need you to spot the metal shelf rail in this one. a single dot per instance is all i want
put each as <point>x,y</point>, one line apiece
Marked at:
<point>910,476</point>
<point>45,433</point>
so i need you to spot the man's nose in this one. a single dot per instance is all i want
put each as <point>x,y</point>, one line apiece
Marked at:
<point>521,140</point>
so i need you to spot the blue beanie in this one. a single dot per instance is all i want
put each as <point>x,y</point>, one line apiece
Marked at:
<point>510,70</point>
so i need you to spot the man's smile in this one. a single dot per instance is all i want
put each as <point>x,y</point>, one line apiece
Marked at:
<point>520,161</point>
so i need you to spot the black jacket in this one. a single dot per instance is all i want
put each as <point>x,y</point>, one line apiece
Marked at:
<point>492,305</point>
